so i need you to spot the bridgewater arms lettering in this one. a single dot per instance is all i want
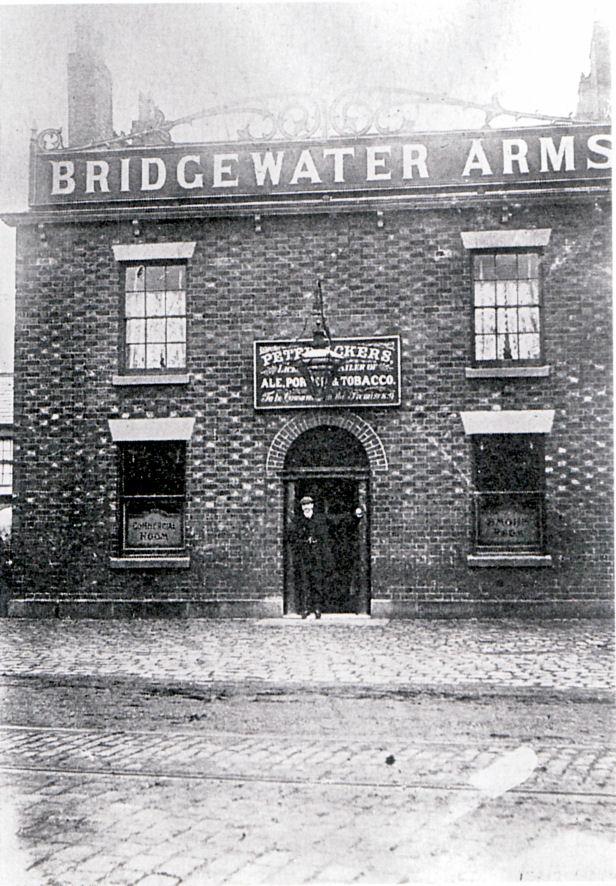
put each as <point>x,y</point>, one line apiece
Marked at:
<point>535,154</point>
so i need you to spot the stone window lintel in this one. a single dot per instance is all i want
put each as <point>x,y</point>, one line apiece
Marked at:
<point>131,430</point>
<point>522,238</point>
<point>144,252</point>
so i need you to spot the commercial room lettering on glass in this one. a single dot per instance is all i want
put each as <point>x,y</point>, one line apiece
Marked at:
<point>369,374</point>
<point>154,529</point>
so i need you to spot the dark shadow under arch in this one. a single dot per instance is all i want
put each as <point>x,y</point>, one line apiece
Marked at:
<point>331,465</point>
<point>326,446</point>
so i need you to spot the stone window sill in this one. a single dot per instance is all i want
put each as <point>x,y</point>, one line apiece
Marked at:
<point>507,371</point>
<point>149,379</point>
<point>523,560</point>
<point>149,562</point>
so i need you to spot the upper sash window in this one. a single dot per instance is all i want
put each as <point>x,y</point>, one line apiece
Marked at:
<point>507,322</point>
<point>507,307</point>
<point>155,317</point>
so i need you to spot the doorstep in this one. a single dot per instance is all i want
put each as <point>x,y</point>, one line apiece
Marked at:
<point>328,618</point>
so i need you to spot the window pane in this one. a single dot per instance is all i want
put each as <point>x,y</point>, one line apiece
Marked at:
<point>483,267</point>
<point>507,347</point>
<point>485,347</point>
<point>176,277</point>
<point>509,521</point>
<point>509,462</point>
<point>176,356</point>
<point>155,277</point>
<point>507,293</point>
<point>528,319</point>
<point>485,320</point>
<point>154,524</point>
<point>528,292</point>
<point>155,356</point>
<point>135,278</point>
<point>528,265</point>
<point>506,266</point>
<point>484,293</point>
<point>156,331</point>
<point>135,356</point>
<point>6,470</point>
<point>156,304</point>
<point>135,304</point>
<point>176,303</point>
<point>135,331</point>
<point>176,330</point>
<point>6,450</point>
<point>530,347</point>
<point>153,468</point>
<point>507,319</point>
<point>153,528</point>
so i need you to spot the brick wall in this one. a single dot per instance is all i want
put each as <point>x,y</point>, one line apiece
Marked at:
<point>411,277</point>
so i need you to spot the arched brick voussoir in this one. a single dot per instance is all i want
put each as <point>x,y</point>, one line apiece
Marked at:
<point>290,431</point>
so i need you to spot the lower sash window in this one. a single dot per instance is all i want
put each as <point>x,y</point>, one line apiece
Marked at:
<point>509,497</point>
<point>153,498</point>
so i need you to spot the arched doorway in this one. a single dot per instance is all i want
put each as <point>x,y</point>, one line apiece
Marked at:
<point>330,464</point>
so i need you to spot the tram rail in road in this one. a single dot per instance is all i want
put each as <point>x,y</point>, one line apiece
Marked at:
<point>289,759</point>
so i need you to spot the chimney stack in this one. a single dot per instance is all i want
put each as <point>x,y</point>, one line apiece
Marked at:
<point>595,89</point>
<point>90,110</point>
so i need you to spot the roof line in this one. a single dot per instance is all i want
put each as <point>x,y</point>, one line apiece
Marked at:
<point>298,206</point>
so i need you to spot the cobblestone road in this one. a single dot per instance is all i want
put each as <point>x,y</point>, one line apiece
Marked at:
<point>119,805</point>
<point>586,768</point>
<point>144,809</point>
<point>507,654</point>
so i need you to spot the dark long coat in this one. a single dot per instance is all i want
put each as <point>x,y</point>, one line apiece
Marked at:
<point>309,539</point>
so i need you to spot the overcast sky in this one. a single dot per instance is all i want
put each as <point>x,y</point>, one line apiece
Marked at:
<point>188,56</point>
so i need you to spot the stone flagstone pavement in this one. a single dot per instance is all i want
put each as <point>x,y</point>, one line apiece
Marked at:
<point>503,654</point>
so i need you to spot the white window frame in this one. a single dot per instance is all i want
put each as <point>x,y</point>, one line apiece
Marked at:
<point>143,253</point>
<point>495,241</point>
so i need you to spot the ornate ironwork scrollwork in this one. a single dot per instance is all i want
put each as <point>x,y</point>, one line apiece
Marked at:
<point>375,111</point>
<point>49,140</point>
<point>264,119</point>
<point>298,116</point>
<point>289,116</point>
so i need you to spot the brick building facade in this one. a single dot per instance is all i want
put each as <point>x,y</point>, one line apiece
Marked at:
<point>147,478</point>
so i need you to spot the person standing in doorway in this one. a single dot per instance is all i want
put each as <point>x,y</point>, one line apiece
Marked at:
<point>310,543</point>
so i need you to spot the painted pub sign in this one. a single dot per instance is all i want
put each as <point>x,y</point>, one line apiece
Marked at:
<point>460,159</point>
<point>369,374</point>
